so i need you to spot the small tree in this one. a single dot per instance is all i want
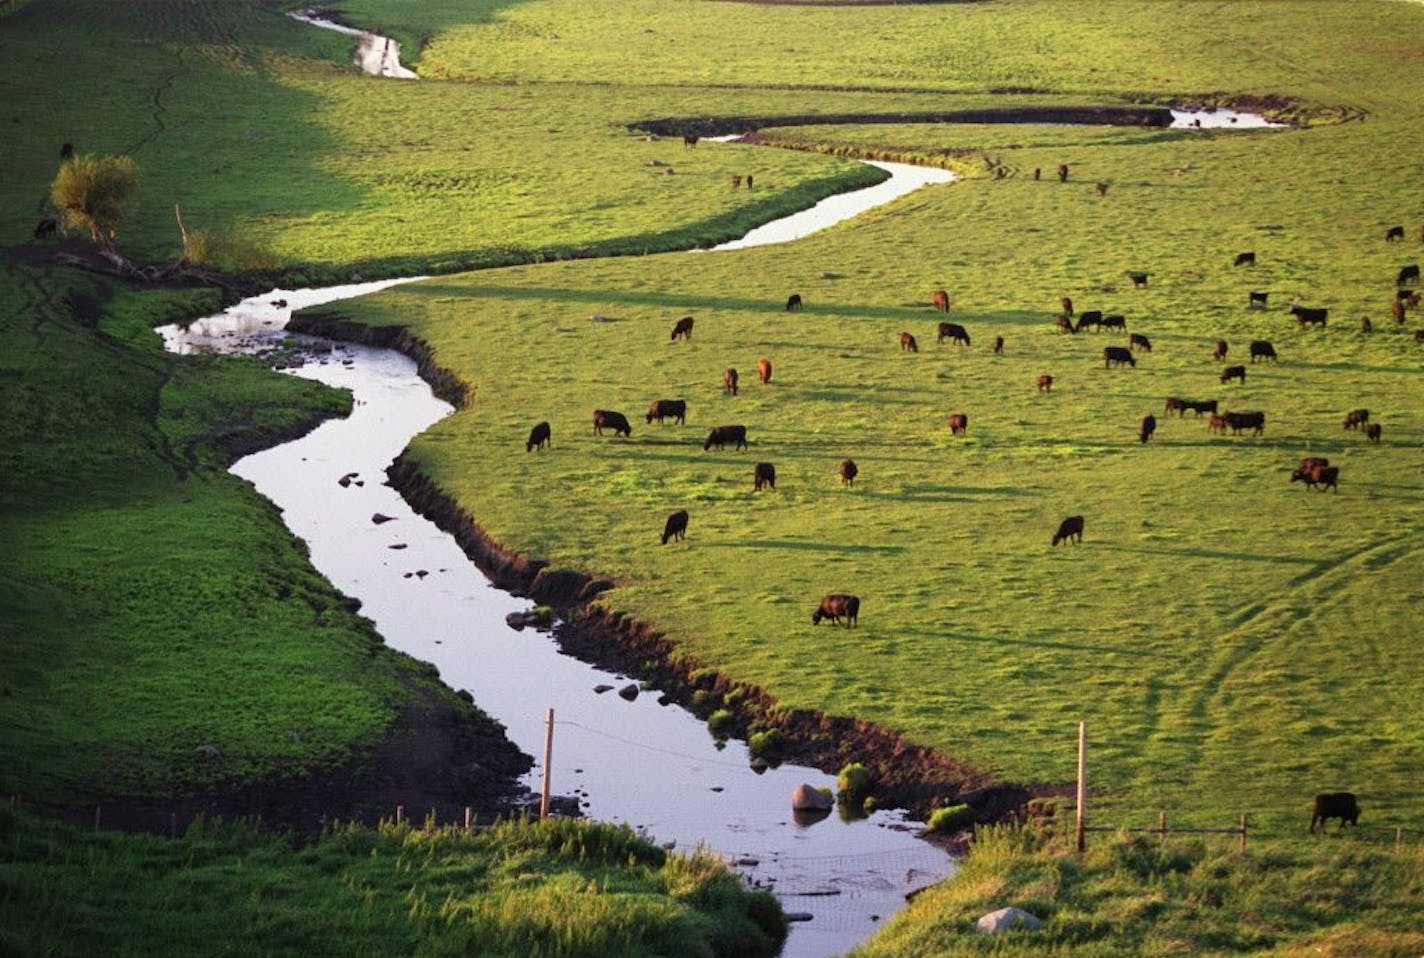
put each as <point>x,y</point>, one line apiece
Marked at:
<point>96,193</point>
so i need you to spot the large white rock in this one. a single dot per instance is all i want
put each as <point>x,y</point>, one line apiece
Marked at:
<point>1007,919</point>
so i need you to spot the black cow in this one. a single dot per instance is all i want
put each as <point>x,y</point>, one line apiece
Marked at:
<point>663,408</point>
<point>690,139</point>
<point>1147,427</point>
<point>848,471</point>
<point>1140,341</point>
<point>1341,805</point>
<point>607,419</point>
<point>1237,421</point>
<point>1138,279</point>
<point>1408,274</point>
<point>1394,233</point>
<point>1305,316</point>
<point>907,343</point>
<point>1114,322</point>
<point>835,607</point>
<point>1260,349</point>
<point>1092,317</point>
<point>998,345</point>
<point>729,380</point>
<point>721,435</point>
<point>46,227</point>
<point>1256,300</point>
<point>538,438</point>
<point>1234,372</point>
<point>676,526</point>
<point>1070,528</point>
<point>66,151</point>
<point>683,329</point>
<point>793,302</point>
<point>1179,406</point>
<point>1219,352</point>
<point>1205,405</point>
<point>1244,258</point>
<point>1356,418</point>
<point>953,331</point>
<point>1372,432</point>
<point>763,474</point>
<point>1117,354</point>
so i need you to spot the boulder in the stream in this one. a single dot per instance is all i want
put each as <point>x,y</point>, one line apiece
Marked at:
<point>808,798</point>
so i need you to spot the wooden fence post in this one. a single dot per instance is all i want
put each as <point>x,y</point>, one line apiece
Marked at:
<point>1243,831</point>
<point>548,758</point>
<point>1162,824</point>
<point>400,814</point>
<point>1082,782</point>
<point>469,819</point>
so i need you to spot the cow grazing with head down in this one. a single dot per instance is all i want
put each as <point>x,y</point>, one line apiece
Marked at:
<point>908,344</point>
<point>1394,233</point>
<point>1256,300</point>
<point>729,380</point>
<point>664,408</point>
<point>1219,351</point>
<point>1325,477</point>
<point>835,607</point>
<point>1216,424</point>
<point>1147,427</point>
<point>1261,349</point>
<point>1341,805</point>
<point>793,302</point>
<point>764,370</point>
<point>1119,355</point>
<point>683,329</point>
<point>1091,317</point>
<point>958,424</point>
<point>1114,322</point>
<point>1138,279</point>
<point>1201,406</point>
<point>1239,421</point>
<point>1365,325</point>
<point>1045,383</point>
<point>1139,341</point>
<point>1070,528</point>
<point>538,437</point>
<point>763,474</point>
<point>1396,309</point>
<point>676,526</point>
<point>848,471</point>
<point>1243,259</point>
<point>1234,372</point>
<point>46,227</point>
<point>721,435</point>
<point>1408,274</point>
<point>1372,432</point>
<point>1064,324</point>
<point>953,331</point>
<point>1305,317</point>
<point>607,419</point>
<point>1356,418</point>
<point>1102,188</point>
<point>941,301</point>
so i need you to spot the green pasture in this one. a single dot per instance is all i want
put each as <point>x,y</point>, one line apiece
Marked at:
<point>561,889</point>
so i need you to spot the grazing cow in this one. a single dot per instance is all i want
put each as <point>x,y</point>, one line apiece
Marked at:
<point>1372,432</point>
<point>1243,259</point>
<point>1045,383</point>
<point>958,424</point>
<point>763,474</point>
<point>1260,349</point>
<point>1102,188</point>
<point>1394,233</point>
<point>663,408</point>
<point>736,181</point>
<point>683,329</point>
<point>538,438</point>
<point>1396,308</point>
<point>793,302</point>
<point>1179,406</point>
<point>729,380</point>
<point>1093,318</point>
<point>1216,424</point>
<point>953,331</point>
<point>749,181</point>
<point>764,370</point>
<point>1070,528</point>
<point>1234,372</point>
<point>1138,279</point>
<point>1147,427</point>
<point>1219,352</point>
<point>1409,297</point>
<point>1341,805</point>
<point>721,435</point>
<point>66,151</point>
<point>1038,172</point>
<point>1064,324</point>
<point>907,343</point>
<point>998,345</point>
<point>848,472</point>
<point>1325,477</point>
<point>1139,341</point>
<point>676,526</point>
<point>690,139</point>
<point>1365,325</point>
<point>941,301</point>
<point>1114,322</point>
<point>607,419</point>
<point>1067,305</point>
<point>1117,354</point>
<point>1201,406</point>
<point>46,227</point>
<point>1254,421</point>
<point>836,607</point>
<point>1256,299</point>
<point>1407,274</point>
<point>1356,418</point>
<point>1063,172</point>
<point>1305,316</point>
<point>1307,463</point>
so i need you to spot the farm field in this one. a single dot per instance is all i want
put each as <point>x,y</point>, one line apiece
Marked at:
<point>1235,641</point>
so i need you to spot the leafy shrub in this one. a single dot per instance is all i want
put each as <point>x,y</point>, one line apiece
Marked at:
<point>720,723</point>
<point>950,819</point>
<point>766,742</point>
<point>854,783</point>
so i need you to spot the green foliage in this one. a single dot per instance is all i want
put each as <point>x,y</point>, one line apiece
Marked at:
<point>854,782</point>
<point>721,723</point>
<point>229,252</point>
<point>96,193</point>
<point>766,743</point>
<point>951,818</point>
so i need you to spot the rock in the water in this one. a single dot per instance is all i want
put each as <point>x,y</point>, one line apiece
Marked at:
<point>629,691</point>
<point>799,916</point>
<point>515,620</point>
<point>379,518</point>
<point>1007,919</point>
<point>810,799</point>
<point>600,689</point>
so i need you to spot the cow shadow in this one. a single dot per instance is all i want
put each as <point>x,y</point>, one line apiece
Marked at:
<point>1198,553</point>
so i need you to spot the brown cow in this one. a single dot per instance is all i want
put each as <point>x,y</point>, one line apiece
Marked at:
<point>1064,324</point>
<point>1179,406</point>
<point>1308,463</point>
<point>764,370</point>
<point>736,181</point>
<point>676,526</point>
<point>763,474</point>
<point>1325,477</point>
<point>1063,172</point>
<point>607,419</point>
<point>1067,305</point>
<point>1365,325</point>
<point>683,329</point>
<point>835,607</point>
<point>908,344</point>
<point>1070,528</point>
<point>1216,424</point>
<point>1233,372</point>
<point>848,472</point>
<point>1372,432</point>
<point>1356,418</point>
<point>941,301</point>
<point>729,380</point>
<point>1219,352</point>
<point>958,424</point>
<point>1045,383</point>
<point>1396,309</point>
<point>953,331</point>
<point>1139,341</point>
<point>538,438</point>
<point>1147,427</point>
<point>1102,188</point>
